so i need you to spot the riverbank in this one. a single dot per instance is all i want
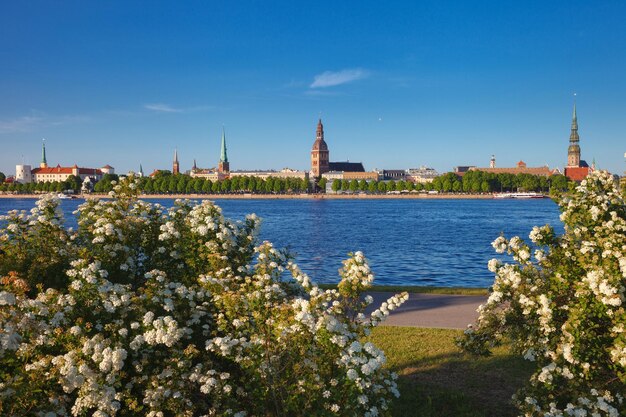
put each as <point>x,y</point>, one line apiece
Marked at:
<point>415,196</point>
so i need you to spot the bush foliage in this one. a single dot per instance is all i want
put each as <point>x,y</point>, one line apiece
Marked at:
<point>147,311</point>
<point>562,303</point>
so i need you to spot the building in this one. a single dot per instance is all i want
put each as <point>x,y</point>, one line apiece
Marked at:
<point>320,157</point>
<point>520,168</point>
<point>208,174</point>
<point>421,175</point>
<point>25,174</point>
<point>462,169</point>
<point>223,167</point>
<point>576,169</point>
<point>392,174</point>
<point>319,154</point>
<point>265,174</point>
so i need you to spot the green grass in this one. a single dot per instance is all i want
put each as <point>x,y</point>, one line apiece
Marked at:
<point>421,289</point>
<point>436,379</point>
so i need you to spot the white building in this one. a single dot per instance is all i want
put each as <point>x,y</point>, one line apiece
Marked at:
<point>421,175</point>
<point>283,173</point>
<point>25,174</point>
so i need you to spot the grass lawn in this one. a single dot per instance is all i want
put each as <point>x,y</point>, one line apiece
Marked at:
<point>421,289</point>
<point>436,379</point>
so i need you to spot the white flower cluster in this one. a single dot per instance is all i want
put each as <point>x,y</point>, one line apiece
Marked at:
<point>566,312</point>
<point>176,312</point>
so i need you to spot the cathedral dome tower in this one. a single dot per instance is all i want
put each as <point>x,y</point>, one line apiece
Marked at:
<point>319,153</point>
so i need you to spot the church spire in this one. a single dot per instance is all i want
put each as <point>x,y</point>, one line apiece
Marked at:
<point>44,162</point>
<point>223,155</point>
<point>175,166</point>
<point>320,130</point>
<point>573,137</point>
<point>573,151</point>
<point>223,165</point>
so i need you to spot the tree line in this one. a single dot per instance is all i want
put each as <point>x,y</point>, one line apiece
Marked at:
<point>165,182</point>
<point>471,182</point>
<point>72,184</point>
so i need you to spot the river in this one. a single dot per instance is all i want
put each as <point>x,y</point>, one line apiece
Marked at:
<point>408,242</point>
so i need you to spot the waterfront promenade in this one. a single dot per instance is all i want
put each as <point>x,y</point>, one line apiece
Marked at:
<point>443,311</point>
<point>418,196</point>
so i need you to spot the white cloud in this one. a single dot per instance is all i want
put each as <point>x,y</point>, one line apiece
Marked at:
<point>166,108</point>
<point>21,124</point>
<point>163,108</point>
<point>330,78</point>
<point>34,122</point>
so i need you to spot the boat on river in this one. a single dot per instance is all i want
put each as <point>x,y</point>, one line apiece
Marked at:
<point>523,195</point>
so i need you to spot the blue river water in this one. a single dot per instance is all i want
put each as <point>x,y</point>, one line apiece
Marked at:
<point>408,242</point>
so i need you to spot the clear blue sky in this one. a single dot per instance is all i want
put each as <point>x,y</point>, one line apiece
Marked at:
<point>397,84</point>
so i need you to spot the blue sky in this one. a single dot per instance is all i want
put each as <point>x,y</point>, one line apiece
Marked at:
<point>397,84</point>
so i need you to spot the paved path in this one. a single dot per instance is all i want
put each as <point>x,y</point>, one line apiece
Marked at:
<point>433,310</point>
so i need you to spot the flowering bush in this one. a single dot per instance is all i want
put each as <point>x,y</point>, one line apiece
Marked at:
<point>562,305</point>
<point>160,312</point>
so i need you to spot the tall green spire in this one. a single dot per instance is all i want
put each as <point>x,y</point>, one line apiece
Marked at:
<point>43,152</point>
<point>223,155</point>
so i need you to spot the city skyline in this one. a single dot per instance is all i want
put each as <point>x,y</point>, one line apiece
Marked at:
<point>431,84</point>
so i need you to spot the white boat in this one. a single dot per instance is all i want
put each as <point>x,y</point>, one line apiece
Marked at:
<point>64,196</point>
<point>519,195</point>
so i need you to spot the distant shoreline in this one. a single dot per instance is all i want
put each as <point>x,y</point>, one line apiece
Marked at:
<point>287,196</point>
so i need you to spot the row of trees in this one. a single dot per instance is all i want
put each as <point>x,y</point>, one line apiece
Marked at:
<point>72,183</point>
<point>473,181</point>
<point>478,181</point>
<point>165,182</point>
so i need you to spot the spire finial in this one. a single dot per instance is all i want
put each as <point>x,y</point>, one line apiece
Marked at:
<point>176,155</point>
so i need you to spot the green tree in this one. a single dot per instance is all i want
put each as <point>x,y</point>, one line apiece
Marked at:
<point>304,187</point>
<point>336,186</point>
<point>382,187</point>
<point>278,185</point>
<point>322,184</point>
<point>345,185</point>
<point>363,185</point>
<point>2,177</point>
<point>73,183</point>
<point>105,183</point>
<point>558,182</point>
<point>372,187</point>
<point>207,186</point>
<point>354,186</point>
